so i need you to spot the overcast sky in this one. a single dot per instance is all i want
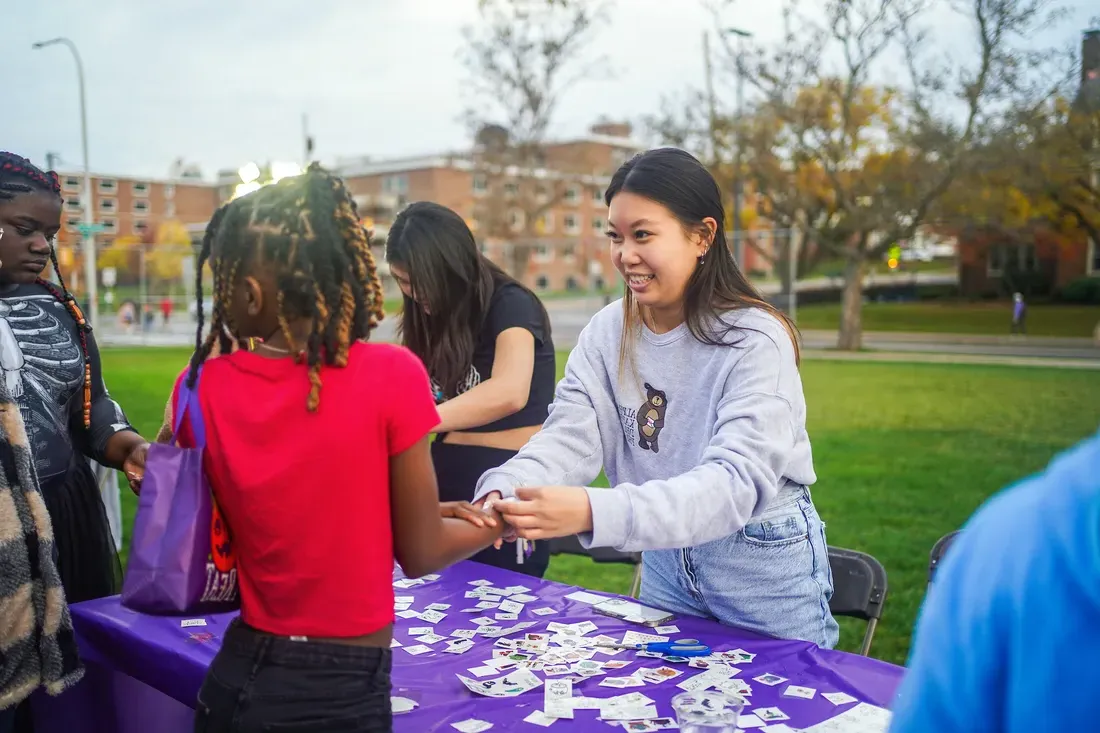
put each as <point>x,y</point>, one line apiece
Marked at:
<point>221,82</point>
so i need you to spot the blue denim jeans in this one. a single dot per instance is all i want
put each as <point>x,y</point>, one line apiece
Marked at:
<point>7,720</point>
<point>772,577</point>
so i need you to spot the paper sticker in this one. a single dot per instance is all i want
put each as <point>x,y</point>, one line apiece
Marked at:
<point>510,685</point>
<point>191,622</point>
<point>438,606</point>
<point>771,715</point>
<point>543,611</point>
<point>806,693</point>
<point>432,617</point>
<point>557,699</point>
<point>660,629</point>
<point>769,679</point>
<point>838,698</point>
<point>584,597</point>
<point>400,705</point>
<point>418,649</point>
<point>472,726</point>
<point>540,718</point>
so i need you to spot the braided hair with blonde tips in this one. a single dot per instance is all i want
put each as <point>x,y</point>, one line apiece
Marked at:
<point>307,227</point>
<point>19,176</point>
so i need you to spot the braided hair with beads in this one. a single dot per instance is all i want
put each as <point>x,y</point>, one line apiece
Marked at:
<point>19,176</point>
<point>307,227</point>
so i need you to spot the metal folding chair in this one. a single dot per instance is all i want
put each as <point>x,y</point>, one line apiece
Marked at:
<point>859,589</point>
<point>938,551</point>
<point>572,546</point>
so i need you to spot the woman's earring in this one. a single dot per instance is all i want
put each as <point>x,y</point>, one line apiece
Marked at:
<point>1,237</point>
<point>703,255</point>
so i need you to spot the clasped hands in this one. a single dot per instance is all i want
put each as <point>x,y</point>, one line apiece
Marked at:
<point>537,513</point>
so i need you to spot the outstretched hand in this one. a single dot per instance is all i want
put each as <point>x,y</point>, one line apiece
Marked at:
<point>467,511</point>
<point>545,512</point>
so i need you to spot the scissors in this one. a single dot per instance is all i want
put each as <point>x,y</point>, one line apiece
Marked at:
<point>682,648</point>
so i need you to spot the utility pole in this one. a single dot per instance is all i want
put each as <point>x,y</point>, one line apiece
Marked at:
<point>307,141</point>
<point>738,183</point>
<point>712,114</point>
<point>88,228</point>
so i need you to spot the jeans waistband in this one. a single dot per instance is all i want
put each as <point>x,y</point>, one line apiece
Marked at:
<point>243,640</point>
<point>789,493</point>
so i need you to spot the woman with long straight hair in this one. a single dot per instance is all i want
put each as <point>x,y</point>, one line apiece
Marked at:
<point>687,393</point>
<point>485,340</point>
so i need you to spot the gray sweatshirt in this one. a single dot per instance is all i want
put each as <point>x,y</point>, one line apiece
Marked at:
<point>695,439</point>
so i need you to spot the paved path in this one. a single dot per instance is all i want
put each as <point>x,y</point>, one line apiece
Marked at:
<point>568,317</point>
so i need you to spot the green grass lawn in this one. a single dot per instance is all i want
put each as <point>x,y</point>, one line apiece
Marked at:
<point>957,317</point>
<point>904,454</point>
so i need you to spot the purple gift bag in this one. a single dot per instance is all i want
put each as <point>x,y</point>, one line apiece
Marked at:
<point>181,559</point>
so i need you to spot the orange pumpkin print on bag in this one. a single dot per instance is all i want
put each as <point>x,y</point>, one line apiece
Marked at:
<point>221,544</point>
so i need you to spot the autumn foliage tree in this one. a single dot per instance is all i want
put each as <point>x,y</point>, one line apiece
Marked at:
<point>859,121</point>
<point>1037,176</point>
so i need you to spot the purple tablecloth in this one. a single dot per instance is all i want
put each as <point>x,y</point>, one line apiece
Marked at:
<point>144,669</point>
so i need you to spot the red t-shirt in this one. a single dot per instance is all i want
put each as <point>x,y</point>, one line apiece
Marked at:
<point>307,495</point>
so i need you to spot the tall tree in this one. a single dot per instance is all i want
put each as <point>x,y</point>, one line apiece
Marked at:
<point>521,57</point>
<point>861,122</point>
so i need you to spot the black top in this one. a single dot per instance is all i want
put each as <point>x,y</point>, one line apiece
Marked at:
<point>44,367</point>
<point>510,307</point>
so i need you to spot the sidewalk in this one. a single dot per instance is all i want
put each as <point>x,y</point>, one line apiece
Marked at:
<point>918,357</point>
<point>962,338</point>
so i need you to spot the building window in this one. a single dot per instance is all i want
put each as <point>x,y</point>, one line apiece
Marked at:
<point>1011,258</point>
<point>140,226</point>
<point>481,186</point>
<point>395,184</point>
<point>515,219</point>
<point>72,224</point>
<point>542,282</point>
<point>110,225</point>
<point>596,193</point>
<point>169,191</point>
<point>572,194</point>
<point>72,203</point>
<point>599,226</point>
<point>511,188</point>
<point>108,206</point>
<point>542,193</point>
<point>571,283</point>
<point>107,186</point>
<point>140,188</point>
<point>569,253</point>
<point>71,184</point>
<point>571,225</point>
<point>141,206</point>
<point>543,253</point>
<point>1094,257</point>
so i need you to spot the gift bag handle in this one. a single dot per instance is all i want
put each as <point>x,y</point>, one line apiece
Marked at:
<point>189,398</point>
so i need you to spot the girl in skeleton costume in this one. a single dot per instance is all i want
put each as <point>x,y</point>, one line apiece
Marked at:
<point>51,369</point>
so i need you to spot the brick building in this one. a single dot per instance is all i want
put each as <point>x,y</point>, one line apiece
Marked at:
<point>569,251</point>
<point>127,206</point>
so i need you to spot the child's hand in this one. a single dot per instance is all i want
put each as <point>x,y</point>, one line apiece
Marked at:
<point>469,512</point>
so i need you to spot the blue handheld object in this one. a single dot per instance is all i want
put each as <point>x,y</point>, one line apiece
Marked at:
<point>683,648</point>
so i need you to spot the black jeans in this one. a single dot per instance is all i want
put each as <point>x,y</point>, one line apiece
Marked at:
<point>260,683</point>
<point>457,469</point>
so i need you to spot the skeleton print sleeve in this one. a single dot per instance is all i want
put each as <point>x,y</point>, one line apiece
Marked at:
<point>107,416</point>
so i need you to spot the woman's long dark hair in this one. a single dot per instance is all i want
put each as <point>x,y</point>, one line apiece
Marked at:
<point>448,274</point>
<point>679,182</point>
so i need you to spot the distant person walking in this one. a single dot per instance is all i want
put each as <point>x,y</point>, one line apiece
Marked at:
<point>166,309</point>
<point>1019,314</point>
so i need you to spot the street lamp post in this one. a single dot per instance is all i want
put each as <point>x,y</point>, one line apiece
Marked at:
<point>88,229</point>
<point>738,184</point>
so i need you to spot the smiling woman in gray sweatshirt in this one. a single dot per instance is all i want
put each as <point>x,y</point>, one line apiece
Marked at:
<point>687,394</point>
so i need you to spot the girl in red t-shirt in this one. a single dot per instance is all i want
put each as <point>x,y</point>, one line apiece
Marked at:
<point>317,452</point>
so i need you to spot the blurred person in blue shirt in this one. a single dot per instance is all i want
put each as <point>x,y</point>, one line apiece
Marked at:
<point>1009,635</point>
